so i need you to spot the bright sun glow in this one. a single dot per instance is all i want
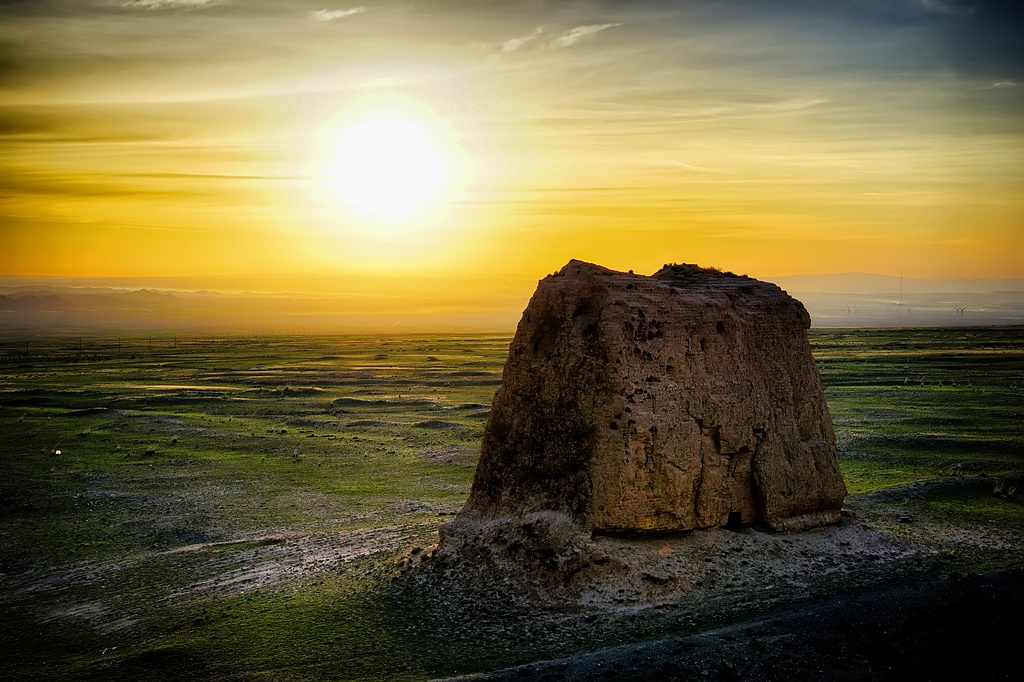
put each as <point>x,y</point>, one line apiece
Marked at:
<point>388,166</point>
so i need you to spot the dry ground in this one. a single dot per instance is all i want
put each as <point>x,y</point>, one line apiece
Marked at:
<point>237,509</point>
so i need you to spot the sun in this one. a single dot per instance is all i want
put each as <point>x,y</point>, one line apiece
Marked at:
<point>388,166</point>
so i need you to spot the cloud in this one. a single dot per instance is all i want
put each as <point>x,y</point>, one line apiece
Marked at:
<point>325,15</point>
<point>944,7</point>
<point>795,104</point>
<point>169,4</point>
<point>574,35</point>
<point>513,44</point>
<point>690,166</point>
<point>1001,84</point>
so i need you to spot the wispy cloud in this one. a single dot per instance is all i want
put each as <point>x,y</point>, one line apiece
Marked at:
<point>690,167</point>
<point>795,104</point>
<point>944,7</point>
<point>513,44</point>
<point>169,4</point>
<point>747,110</point>
<point>325,15</point>
<point>892,194</point>
<point>999,85</point>
<point>574,35</point>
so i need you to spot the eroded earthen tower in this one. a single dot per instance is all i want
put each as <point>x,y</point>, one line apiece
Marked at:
<point>687,399</point>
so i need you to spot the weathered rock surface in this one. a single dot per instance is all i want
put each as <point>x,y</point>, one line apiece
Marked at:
<point>687,399</point>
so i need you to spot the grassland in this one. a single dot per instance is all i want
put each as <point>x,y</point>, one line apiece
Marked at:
<point>229,508</point>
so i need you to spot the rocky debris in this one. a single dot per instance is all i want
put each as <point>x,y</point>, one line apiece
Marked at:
<point>545,558</point>
<point>631,404</point>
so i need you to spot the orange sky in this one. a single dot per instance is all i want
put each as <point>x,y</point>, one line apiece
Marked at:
<point>195,137</point>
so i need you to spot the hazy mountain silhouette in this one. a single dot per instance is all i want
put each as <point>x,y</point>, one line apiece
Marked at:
<point>866,283</point>
<point>868,300</point>
<point>330,304</point>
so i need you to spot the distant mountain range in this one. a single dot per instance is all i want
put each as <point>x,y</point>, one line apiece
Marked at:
<point>326,304</point>
<point>867,300</point>
<point>865,283</point>
<point>258,304</point>
<point>48,301</point>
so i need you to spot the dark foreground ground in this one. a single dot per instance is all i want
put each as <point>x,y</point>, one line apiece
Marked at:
<point>959,628</point>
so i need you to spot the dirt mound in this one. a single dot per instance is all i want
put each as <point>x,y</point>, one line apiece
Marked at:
<point>93,412</point>
<point>438,424</point>
<point>545,557</point>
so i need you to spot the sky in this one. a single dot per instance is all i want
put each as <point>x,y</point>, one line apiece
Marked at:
<point>213,137</point>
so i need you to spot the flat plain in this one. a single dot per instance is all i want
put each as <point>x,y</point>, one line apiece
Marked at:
<point>237,507</point>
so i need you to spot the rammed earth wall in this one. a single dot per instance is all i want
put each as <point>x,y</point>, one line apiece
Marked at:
<point>687,399</point>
